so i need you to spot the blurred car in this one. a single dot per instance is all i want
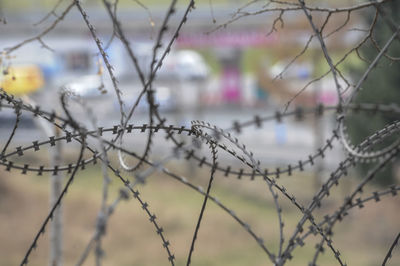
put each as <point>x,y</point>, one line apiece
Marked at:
<point>185,65</point>
<point>21,79</point>
<point>163,97</point>
<point>88,86</point>
<point>190,65</point>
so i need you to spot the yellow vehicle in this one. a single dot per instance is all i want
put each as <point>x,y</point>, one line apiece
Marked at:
<point>20,80</point>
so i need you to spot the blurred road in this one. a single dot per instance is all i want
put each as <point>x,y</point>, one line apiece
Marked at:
<point>273,144</point>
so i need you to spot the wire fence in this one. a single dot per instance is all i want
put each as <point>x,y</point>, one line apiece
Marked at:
<point>97,147</point>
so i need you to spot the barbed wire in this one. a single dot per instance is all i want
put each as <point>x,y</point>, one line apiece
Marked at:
<point>98,143</point>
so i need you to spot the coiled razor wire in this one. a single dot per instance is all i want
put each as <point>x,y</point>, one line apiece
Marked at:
<point>218,140</point>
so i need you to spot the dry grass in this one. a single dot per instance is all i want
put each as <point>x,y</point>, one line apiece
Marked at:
<point>131,240</point>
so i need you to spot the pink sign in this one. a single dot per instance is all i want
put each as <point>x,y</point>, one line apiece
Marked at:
<point>231,39</point>
<point>231,85</point>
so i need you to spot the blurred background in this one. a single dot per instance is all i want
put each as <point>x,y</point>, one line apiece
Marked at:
<point>214,75</point>
<point>218,71</point>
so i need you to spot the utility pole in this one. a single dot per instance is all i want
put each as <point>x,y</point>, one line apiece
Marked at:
<point>318,130</point>
<point>56,183</point>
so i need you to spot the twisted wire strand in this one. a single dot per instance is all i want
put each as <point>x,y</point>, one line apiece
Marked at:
<point>365,152</point>
<point>307,214</point>
<point>338,173</point>
<point>203,207</point>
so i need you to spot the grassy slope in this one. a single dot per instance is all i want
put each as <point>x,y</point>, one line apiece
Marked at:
<point>131,239</point>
